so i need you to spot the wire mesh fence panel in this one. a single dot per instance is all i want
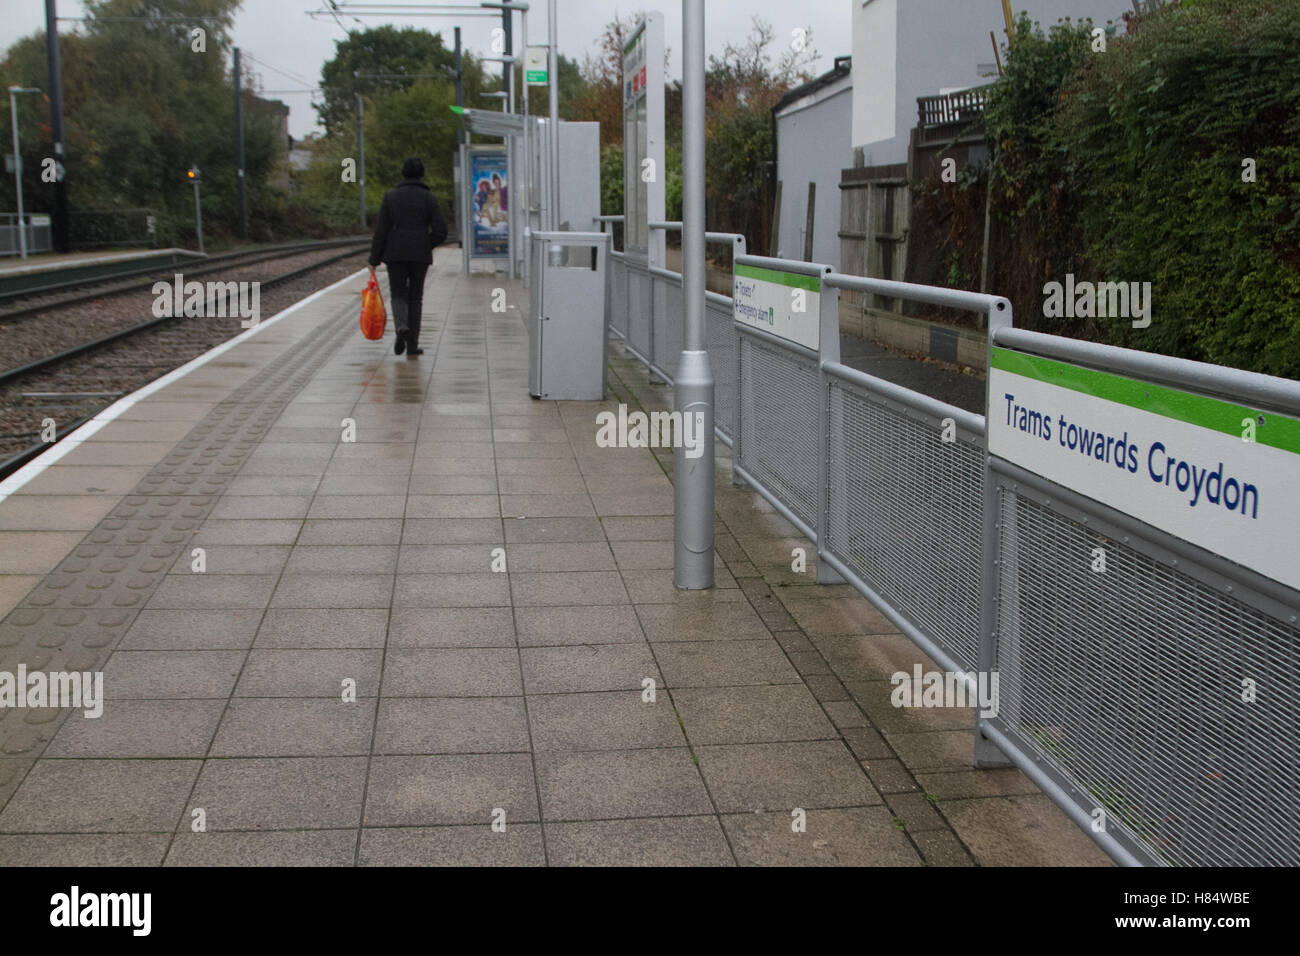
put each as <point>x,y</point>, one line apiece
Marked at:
<point>905,513</point>
<point>1134,684</point>
<point>720,339</point>
<point>639,326</point>
<point>618,294</point>
<point>779,422</point>
<point>674,323</point>
<point>668,321</point>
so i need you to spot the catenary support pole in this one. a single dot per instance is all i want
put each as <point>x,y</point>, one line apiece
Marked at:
<point>18,170</point>
<point>512,145</point>
<point>521,190</point>
<point>693,389</point>
<point>553,70</point>
<point>59,233</point>
<point>460,92</point>
<point>239,148</point>
<point>361,156</point>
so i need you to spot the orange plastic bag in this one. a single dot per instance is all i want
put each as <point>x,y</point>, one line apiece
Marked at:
<point>373,316</point>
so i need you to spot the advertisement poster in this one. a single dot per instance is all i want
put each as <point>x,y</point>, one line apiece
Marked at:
<point>489,190</point>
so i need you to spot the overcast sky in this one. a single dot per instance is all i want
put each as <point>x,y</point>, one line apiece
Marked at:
<point>281,34</point>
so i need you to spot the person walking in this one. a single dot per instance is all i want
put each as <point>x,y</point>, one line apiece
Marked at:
<point>410,227</point>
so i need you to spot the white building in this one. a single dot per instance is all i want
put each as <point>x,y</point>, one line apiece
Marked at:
<point>812,146</point>
<point>905,49</point>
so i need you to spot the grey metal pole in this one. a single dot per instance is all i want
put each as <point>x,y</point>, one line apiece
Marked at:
<point>467,214</point>
<point>18,171</point>
<point>512,145</point>
<point>239,150</point>
<point>60,232</point>
<point>553,83</point>
<point>460,92</point>
<point>693,389</point>
<point>198,215</point>
<point>523,197</point>
<point>361,155</point>
<point>508,27</point>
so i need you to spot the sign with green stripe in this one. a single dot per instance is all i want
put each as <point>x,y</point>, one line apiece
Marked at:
<point>786,304</point>
<point>1216,473</point>
<point>535,65</point>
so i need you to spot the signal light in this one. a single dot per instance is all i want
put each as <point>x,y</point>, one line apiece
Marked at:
<point>192,174</point>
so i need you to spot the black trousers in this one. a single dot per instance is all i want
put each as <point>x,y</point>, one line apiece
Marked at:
<point>406,291</point>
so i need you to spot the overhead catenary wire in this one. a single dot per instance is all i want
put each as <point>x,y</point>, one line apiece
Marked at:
<point>262,63</point>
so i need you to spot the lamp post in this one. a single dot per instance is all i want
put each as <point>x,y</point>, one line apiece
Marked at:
<point>693,390</point>
<point>18,162</point>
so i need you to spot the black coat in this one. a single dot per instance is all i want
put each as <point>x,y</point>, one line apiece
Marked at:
<point>410,225</point>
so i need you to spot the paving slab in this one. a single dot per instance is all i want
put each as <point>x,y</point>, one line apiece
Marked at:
<point>295,727</point>
<point>862,836</point>
<point>520,844</point>
<point>100,796</point>
<point>610,784</point>
<point>273,848</point>
<point>282,793</point>
<point>450,789</point>
<point>678,841</point>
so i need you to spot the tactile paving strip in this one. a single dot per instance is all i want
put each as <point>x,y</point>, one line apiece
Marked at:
<point>79,613</point>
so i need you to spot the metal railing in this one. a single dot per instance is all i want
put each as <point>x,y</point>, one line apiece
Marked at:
<point>1119,693</point>
<point>646,313</point>
<point>36,228</point>
<point>1123,687</point>
<point>616,276</point>
<point>778,450</point>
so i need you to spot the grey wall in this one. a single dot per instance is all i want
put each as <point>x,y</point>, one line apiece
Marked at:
<point>812,144</point>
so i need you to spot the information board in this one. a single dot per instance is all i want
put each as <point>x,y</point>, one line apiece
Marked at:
<point>643,139</point>
<point>1216,474</point>
<point>786,304</point>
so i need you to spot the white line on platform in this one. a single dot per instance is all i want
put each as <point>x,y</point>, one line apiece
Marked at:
<point>34,468</point>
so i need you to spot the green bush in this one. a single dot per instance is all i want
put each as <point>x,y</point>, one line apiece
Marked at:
<point>1158,129</point>
<point>1033,200</point>
<point>1127,165</point>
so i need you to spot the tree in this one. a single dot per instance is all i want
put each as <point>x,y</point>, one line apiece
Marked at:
<point>405,116</point>
<point>741,86</point>
<point>143,100</point>
<point>1130,166</point>
<point>387,59</point>
<point>1038,214</point>
<point>601,99</point>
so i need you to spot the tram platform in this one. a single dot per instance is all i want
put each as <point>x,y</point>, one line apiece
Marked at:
<point>354,608</point>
